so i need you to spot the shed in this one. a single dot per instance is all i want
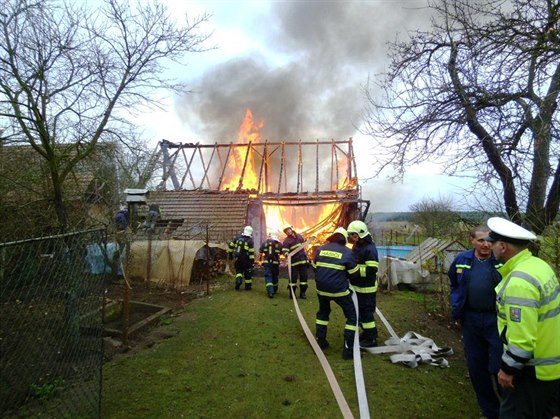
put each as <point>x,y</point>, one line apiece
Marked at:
<point>436,255</point>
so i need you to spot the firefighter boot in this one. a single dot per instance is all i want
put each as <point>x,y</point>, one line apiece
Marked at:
<point>321,336</point>
<point>368,338</point>
<point>293,290</point>
<point>347,354</point>
<point>347,351</point>
<point>323,344</point>
<point>302,295</point>
<point>238,282</point>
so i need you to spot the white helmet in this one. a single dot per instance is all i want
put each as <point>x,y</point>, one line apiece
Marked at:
<point>248,231</point>
<point>358,227</point>
<point>274,236</point>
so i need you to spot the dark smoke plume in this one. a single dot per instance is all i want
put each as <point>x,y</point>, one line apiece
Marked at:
<point>329,48</point>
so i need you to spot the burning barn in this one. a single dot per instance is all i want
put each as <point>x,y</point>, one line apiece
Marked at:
<point>213,190</point>
<point>209,192</point>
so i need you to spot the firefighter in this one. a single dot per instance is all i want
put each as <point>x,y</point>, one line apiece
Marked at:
<point>270,252</point>
<point>365,285</point>
<point>334,265</point>
<point>528,303</point>
<point>242,250</point>
<point>299,262</point>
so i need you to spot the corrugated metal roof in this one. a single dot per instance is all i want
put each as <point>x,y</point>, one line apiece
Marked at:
<point>186,213</point>
<point>428,247</point>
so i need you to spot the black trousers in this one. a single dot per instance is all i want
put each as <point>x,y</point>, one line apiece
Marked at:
<point>323,315</point>
<point>530,399</point>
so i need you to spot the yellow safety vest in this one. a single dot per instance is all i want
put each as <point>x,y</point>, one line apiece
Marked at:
<point>528,302</point>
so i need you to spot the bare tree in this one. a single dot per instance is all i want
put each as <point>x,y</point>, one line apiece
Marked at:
<point>70,76</point>
<point>436,216</point>
<point>479,91</point>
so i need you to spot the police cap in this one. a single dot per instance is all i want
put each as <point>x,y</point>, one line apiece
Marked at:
<point>506,231</point>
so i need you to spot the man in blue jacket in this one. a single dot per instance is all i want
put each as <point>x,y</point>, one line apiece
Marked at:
<point>334,266</point>
<point>473,276</point>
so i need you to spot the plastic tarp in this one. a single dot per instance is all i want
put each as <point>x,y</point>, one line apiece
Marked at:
<point>167,263</point>
<point>397,271</point>
<point>95,257</point>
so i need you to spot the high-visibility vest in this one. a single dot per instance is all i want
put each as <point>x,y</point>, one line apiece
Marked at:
<point>528,302</point>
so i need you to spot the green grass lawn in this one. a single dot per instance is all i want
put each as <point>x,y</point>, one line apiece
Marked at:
<point>238,354</point>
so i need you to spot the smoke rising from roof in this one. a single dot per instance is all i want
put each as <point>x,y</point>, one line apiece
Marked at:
<point>306,83</point>
<point>327,49</point>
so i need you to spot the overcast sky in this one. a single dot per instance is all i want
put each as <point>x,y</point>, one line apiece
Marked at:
<point>300,67</point>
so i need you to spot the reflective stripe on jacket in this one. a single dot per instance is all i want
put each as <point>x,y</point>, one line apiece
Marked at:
<point>459,275</point>
<point>529,317</point>
<point>271,250</point>
<point>368,263</point>
<point>290,243</point>
<point>242,247</point>
<point>334,265</point>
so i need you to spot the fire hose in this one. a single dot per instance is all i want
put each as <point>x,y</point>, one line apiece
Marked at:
<point>358,373</point>
<point>409,350</point>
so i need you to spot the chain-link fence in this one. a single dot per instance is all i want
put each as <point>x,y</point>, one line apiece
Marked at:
<point>51,327</point>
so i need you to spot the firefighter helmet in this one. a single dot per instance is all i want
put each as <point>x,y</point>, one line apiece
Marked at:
<point>288,227</point>
<point>358,227</point>
<point>274,236</point>
<point>341,230</point>
<point>248,231</point>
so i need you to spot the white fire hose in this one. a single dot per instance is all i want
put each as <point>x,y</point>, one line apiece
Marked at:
<point>412,349</point>
<point>358,373</point>
<point>409,350</point>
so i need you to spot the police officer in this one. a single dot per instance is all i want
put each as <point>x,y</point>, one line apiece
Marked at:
<point>334,265</point>
<point>299,262</point>
<point>528,302</point>
<point>270,252</point>
<point>365,284</point>
<point>473,276</point>
<point>242,250</point>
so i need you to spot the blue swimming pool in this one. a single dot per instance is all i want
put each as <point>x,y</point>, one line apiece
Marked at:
<point>394,251</point>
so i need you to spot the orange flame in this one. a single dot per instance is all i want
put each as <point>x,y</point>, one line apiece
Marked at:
<point>319,220</point>
<point>249,132</point>
<point>308,220</point>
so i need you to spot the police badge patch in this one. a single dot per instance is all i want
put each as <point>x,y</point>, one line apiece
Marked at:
<point>515,314</point>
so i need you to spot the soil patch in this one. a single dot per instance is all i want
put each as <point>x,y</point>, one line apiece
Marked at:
<point>148,293</point>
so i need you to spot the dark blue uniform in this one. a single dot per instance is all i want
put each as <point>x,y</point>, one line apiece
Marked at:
<point>242,249</point>
<point>473,302</point>
<point>299,263</point>
<point>271,250</point>
<point>365,286</point>
<point>334,265</point>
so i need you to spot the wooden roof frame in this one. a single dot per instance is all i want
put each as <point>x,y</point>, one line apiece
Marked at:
<point>190,156</point>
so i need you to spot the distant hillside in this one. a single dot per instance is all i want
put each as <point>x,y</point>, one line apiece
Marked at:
<point>377,217</point>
